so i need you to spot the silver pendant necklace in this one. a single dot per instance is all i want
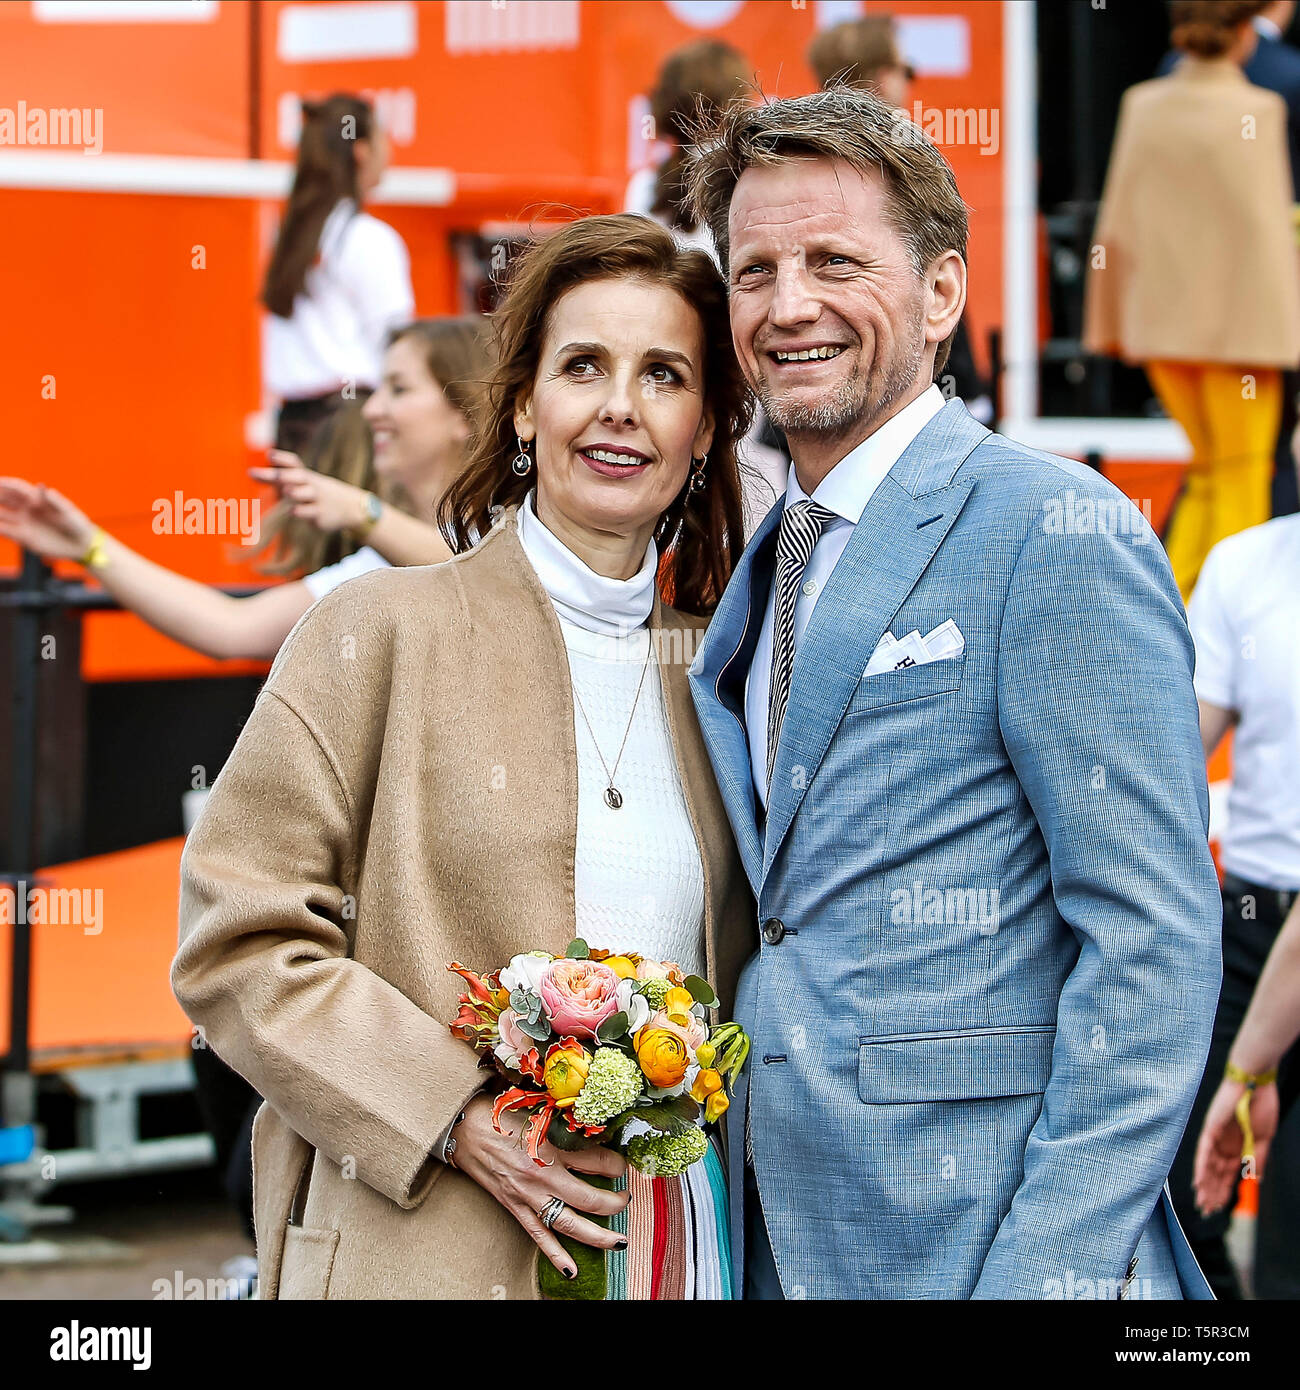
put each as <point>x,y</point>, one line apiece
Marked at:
<point>614,797</point>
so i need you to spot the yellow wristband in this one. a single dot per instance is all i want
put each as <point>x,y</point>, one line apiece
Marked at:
<point>1251,1081</point>
<point>96,556</point>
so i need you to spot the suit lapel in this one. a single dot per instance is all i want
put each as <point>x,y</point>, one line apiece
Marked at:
<point>897,536</point>
<point>718,683</point>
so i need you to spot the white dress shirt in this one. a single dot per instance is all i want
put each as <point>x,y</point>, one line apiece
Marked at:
<point>845,490</point>
<point>1244,617</point>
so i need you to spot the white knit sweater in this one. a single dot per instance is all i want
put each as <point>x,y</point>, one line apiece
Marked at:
<point>638,876</point>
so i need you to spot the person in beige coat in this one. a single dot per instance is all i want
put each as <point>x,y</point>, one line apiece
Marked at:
<point>1194,270</point>
<point>433,773</point>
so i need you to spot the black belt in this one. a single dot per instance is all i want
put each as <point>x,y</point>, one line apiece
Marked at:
<point>1278,900</point>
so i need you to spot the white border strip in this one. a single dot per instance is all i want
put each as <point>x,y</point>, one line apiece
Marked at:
<point>204,178</point>
<point>1020,214</point>
<point>1129,441</point>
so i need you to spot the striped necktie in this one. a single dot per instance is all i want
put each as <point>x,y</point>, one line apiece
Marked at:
<point>801,525</point>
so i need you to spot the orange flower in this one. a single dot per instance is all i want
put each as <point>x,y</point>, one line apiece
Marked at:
<point>707,1084</point>
<point>566,1070</point>
<point>663,1056</point>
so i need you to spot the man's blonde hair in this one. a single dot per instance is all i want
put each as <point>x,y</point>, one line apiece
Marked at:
<point>921,198</point>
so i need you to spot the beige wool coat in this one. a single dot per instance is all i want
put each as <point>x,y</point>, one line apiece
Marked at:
<point>404,794</point>
<point>1195,226</point>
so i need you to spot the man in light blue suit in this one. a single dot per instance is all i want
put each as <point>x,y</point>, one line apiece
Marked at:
<point>948,698</point>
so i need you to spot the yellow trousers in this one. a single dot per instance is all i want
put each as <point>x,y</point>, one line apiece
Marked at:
<point>1231,416</point>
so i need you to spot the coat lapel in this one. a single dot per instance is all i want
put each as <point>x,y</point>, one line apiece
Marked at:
<point>897,536</point>
<point>717,680</point>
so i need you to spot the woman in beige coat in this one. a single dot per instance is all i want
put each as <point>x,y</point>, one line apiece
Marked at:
<point>474,759</point>
<point>1194,271</point>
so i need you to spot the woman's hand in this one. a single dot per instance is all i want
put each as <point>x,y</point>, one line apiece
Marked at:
<point>499,1164</point>
<point>43,520</point>
<point>327,503</point>
<point>1218,1151</point>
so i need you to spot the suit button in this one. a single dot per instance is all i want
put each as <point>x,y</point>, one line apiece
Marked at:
<point>773,930</point>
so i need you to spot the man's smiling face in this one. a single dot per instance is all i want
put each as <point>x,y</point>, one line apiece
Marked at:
<point>828,313</point>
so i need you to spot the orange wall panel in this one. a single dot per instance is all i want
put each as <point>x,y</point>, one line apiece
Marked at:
<point>175,83</point>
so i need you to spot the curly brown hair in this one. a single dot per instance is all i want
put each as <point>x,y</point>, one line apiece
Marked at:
<point>699,536</point>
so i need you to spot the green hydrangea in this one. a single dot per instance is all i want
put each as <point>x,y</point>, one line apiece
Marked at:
<point>666,1155</point>
<point>613,1083</point>
<point>655,991</point>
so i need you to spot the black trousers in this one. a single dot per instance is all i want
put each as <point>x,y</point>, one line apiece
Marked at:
<point>298,421</point>
<point>228,1104</point>
<point>1252,917</point>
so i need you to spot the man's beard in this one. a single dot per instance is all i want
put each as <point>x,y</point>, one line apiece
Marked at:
<point>850,404</point>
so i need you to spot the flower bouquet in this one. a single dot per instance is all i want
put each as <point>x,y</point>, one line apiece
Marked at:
<point>605,1049</point>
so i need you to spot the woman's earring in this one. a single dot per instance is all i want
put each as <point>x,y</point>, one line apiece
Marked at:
<point>523,460</point>
<point>697,473</point>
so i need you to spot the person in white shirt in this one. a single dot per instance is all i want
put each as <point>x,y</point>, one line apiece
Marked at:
<point>1245,620</point>
<point>419,419</point>
<point>339,280</point>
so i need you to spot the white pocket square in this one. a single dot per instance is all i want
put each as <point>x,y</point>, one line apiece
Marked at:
<point>893,653</point>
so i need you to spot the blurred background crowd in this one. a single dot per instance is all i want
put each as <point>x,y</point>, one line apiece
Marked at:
<point>253,251</point>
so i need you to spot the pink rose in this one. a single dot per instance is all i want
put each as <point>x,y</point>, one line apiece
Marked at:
<point>692,1033</point>
<point>578,996</point>
<point>512,1035</point>
<point>651,970</point>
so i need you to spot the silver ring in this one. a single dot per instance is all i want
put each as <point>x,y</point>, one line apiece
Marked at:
<point>551,1211</point>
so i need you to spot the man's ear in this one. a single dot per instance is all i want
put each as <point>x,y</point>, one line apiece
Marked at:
<point>945,296</point>
<point>524,426</point>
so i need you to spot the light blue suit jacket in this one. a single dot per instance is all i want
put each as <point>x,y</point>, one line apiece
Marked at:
<point>978,1040</point>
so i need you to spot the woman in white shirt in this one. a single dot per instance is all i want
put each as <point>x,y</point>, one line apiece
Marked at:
<point>339,280</point>
<point>419,420</point>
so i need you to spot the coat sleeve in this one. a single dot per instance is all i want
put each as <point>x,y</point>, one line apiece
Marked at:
<point>268,876</point>
<point>1108,262</point>
<point>1098,717</point>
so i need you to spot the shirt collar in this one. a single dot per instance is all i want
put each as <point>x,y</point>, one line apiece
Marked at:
<point>849,486</point>
<point>611,607</point>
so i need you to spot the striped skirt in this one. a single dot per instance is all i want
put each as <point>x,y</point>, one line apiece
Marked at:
<point>678,1236</point>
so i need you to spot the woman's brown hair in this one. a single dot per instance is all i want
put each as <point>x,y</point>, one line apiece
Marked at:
<point>1208,28</point>
<point>457,352</point>
<point>699,536</point>
<point>695,84</point>
<point>326,173</point>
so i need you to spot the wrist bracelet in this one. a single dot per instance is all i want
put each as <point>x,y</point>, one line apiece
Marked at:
<point>374,510</point>
<point>96,556</point>
<point>1251,1081</point>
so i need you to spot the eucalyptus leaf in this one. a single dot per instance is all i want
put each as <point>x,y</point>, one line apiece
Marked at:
<point>536,1028</point>
<point>578,950</point>
<point>701,991</point>
<point>674,1116</point>
<point>613,1028</point>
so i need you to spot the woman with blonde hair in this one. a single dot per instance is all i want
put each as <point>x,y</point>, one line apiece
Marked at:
<point>481,758</point>
<point>1193,272</point>
<point>419,422</point>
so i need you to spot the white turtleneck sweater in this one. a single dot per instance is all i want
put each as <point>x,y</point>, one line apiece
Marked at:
<point>638,877</point>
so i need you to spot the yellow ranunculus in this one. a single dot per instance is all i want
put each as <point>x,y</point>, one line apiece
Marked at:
<point>621,966</point>
<point>716,1105</point>
<point>706,1084</point>
<point>677,1005</point>
<point>565,1073</point>
<point>662,1055</point>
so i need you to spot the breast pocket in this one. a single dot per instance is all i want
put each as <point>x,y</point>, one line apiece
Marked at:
<point>906,684</point>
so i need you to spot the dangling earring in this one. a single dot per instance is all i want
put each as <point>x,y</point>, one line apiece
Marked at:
<point>697,474</point>
<point>523,460</point>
